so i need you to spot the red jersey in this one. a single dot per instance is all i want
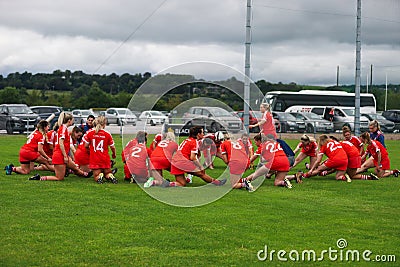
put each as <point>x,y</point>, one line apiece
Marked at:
<point>357,143</point>
<point>248,146</point>
<point>235,151</point>
<point>62,133</point>
<point>276,158</point>
<point>310,149</point>
<point>98,144</point>
<point>165,149</point>
<point>268,127</point>
<point>187,147</point>
<point>49,144</point>
<point>350,149</point>
<point>136,158</point>
<point>33,141</point>
<point>333,149</point>
<point>375,147</point>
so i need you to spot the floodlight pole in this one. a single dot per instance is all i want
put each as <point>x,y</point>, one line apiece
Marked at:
<point>358,72</point>
<point>247,68</point>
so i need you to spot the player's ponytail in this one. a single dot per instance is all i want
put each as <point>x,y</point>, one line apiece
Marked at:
<point>100,123</point>
<point>41,128</point>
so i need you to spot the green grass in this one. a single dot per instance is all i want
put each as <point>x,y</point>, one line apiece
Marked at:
<point>80,223</point>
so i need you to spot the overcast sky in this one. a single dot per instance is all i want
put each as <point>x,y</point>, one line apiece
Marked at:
<point>301,41</point>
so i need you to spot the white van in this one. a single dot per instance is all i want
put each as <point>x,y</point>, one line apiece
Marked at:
<point>343,116</point>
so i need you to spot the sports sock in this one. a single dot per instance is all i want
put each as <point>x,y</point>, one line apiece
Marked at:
<point>43,178</point>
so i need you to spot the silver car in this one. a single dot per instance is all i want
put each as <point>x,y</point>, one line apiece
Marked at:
<point>213,118</point>
<point>314,123</point>
<point>386,125</point>
<point>120,116</point>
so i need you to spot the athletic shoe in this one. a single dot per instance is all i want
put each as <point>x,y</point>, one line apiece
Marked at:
<point>114,171</point>
<point>35,177</point>
<point>373,176</point>
<point>348,179</point>
<point>299,177</point>
<point>396,173</point>
<point>149,182</point>
<point>219,182</point>
<point>287,183</point>
<point>89,174</point>
<point>8,169</point>
<point>307,165</point>
<point>100,179</point>
<point>189,178</point>
<point>112,179</point>
<point>133,180</point>
<point>248,185</point>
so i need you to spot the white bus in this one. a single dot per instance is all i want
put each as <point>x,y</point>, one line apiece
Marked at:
<point>283,100</point>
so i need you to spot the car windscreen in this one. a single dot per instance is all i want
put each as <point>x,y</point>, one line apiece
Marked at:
<point>312,116</point>
<point>349,112</point>
<point>286,116</point>
<point>156,113</point>
<point>19,110</point>
<point>219,112</point>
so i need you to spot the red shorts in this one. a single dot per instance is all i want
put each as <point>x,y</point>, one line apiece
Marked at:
<point>237,167</point>
<point>183,166</point>
<point>26,156</point>
<point>280,164</point>
<point>354,162</point>
<point>58,158</point>
<point>160,163</point>
<point>385,163</point>
<point>339,164</point>
<point>100,166</point>
<point>81,157</point>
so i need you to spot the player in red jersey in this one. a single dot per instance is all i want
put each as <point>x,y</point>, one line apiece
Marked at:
<point>126,150</point>
<point>137,160</point>
<point>248,146</point>
<point>185,160</point>
<point>234,155</point>
<point>308,148</point>
<point>98,141</point>
<point>380,157</point>
<point>267,121</point>
<point>32,151</point>
<point>153,145</point>
<point>275,161</point>
<point>60,158</point>
<point>337,159</point>
<point>160,159</point>
<point>82,154</point>
<point>209,146</point>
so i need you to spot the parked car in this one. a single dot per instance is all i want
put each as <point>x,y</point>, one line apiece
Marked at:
<point>120,116</point>
<point>137,114</point>
<point>386,125</point>
<point>80,115</point>
<point>213,118</point>
<point>392,115</point>
<point>342,117</point>
<point>314,123</point>
<point>46,111</point>
<point>289,123</point>
<point>255,117</point>
<point>17,117</point>
<point>153,117</point>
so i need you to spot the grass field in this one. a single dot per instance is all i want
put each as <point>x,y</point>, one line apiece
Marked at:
<point>80,223</point>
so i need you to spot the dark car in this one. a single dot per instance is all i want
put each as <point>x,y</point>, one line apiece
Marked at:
<point>255,117</point>
<point>386,125</point>
<point>289,123</point>
<point>46,111</point>
<point>314,123</point>
<point>392,115</point>
<point>17,117</point>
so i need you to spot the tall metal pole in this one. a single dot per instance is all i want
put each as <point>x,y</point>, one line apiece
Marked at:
<point>247,67</point>
<point>386,92</point>
<point>370,81</point>
<point>337,76</point>
<point>358,72</point>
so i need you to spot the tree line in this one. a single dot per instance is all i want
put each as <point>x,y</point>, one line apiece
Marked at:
<point>80,90</point>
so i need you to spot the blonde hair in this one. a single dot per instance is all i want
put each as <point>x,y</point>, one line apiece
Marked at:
<point>266,106</point>
<point>346,129</point>
<point>100,123</point>
<point>375,123</point>
<point>169,136</point>
<point>323,139</point>
<point>64,118</point>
